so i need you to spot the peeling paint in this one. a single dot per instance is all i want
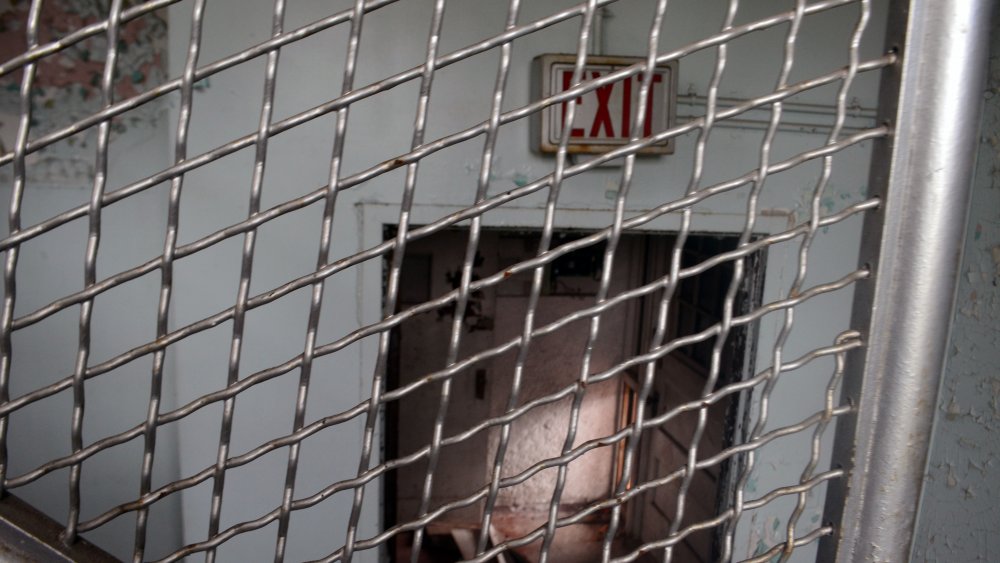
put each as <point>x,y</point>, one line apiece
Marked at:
<point>501,177</point>
<point>67,84</point>
<point>835,199</point>
<point>764,536</point>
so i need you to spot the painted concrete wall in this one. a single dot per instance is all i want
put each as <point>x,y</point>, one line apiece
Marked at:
<point>228,105</point>
<point>959,518</point>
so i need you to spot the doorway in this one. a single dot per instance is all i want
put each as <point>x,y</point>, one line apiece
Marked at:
<point>494,316</point>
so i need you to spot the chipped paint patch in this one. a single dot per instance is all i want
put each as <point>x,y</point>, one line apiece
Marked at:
<point>765,535</point>
<point>834,199</point>
<point>501,177</point>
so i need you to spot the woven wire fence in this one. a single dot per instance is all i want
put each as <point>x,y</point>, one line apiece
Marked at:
<point>371,468</point>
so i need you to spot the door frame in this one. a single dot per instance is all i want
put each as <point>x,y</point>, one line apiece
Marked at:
<point>374,216</point>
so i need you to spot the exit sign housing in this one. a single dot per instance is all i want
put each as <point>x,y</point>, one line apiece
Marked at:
<point>604,116</point>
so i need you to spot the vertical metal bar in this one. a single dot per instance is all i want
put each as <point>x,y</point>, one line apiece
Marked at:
<point>736,283</point>
<point>163,308</point>
<point>829,404</point>
<point>548,224</point>
<point>90,266</point>
<point>14,225</point>
<point>322,260</point>
<point>801,273</point>
<point>624,184</point>
<point>915,253</point>
<point>471,249</point>
<point>392,285</point>
<point>660,333</point>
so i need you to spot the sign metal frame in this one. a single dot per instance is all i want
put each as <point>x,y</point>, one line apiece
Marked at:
<point>545,129</point>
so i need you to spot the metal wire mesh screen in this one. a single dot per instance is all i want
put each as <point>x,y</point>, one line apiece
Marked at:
<point>59,422</point>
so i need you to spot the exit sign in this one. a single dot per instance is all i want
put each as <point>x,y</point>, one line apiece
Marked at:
<point>604,117</point>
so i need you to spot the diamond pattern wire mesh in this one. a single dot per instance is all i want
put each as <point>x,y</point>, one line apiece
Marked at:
<point>370,467</point>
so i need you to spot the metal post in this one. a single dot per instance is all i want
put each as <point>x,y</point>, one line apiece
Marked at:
<point>913,243</point>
